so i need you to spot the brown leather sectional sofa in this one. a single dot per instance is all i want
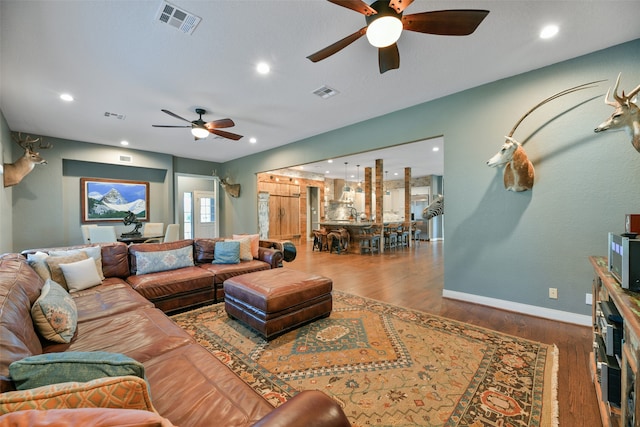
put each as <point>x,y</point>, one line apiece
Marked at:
<point>188,385</point>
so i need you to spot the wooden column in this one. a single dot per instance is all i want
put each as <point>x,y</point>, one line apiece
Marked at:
<point>407,194</point>
<point>379,202</point>
<point>379,192</point>
<point>368,190</point>
<point>407,202</point>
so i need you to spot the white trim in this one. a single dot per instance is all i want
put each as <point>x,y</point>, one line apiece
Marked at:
<point>532,310</point>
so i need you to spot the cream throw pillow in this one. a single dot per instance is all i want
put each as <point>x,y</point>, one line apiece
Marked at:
<point>81,274</point>
<point>245,248</point>
<point>94,252</point>
<point>54,266</point>
<point>255,242</point>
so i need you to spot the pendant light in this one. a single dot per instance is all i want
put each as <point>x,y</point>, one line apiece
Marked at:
<point>359,187</point>
<point>346,188</point>
<point>386,178</point>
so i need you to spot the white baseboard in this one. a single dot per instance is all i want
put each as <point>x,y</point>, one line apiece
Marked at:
<point>532,310</point>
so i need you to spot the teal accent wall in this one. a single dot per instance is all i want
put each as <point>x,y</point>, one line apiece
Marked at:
<point>46,204</point>
<point>499,244</point>
<point>6,211</point>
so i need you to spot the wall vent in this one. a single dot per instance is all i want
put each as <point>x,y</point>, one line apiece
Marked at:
<point>177,18</point>
<point>123,158</point>
<point>325,92</point>
<point>115,115</point>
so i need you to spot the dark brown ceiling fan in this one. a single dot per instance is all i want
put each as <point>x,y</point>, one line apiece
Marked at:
<point>199,127</point>
<point>386,16</point>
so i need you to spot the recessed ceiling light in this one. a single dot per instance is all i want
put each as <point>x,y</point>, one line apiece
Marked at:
<point>327,171</point>
<point>66,97</point>
<point>330,161</point>
<point>123,142</point>
<point>435,149</point>
<point>549,31</point>
<point>253,140</point>
<point>263,68</point>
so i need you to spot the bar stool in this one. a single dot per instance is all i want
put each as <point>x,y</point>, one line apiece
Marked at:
<point>368,241</point>
<point>391,236</point>
<point>320,240</point>
<point>338,240</point>
<point>403,236</point>
<point>416,236</point>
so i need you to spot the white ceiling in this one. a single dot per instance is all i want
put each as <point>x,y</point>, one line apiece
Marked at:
<point>114,58</point>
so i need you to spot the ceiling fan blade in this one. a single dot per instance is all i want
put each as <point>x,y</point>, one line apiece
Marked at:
<point>167,126</point>
<point>357,5</point>
<point>225,134</point>
<point>175,115</point>
<point>388,58</point>
<point>445,22</point>
<point>337,46</point>
<point>222,123</point>
<point>399,5</point>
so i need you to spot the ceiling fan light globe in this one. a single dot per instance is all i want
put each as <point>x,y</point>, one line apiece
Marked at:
<point>199,132</point>
<point>384,31</point>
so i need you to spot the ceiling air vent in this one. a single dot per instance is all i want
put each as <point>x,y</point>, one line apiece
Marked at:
<point>123,158</point>
<point>115,115</point>
<point>177,18</point>
<point>325,92</point>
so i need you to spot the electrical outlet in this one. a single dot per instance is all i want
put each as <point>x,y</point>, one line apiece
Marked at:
<point>553,293</point>
<point>589,299</point>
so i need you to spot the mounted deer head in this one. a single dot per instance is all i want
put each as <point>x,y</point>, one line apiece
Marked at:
<point>519,173</point>
<point>626,115</point>
<point>14,172</point>
<point>232,189</point>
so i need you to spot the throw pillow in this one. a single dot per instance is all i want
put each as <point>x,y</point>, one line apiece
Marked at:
<point>227,252</point>
<point>38,262</point>
<point>71,366</point>
<point>54,266</point>
<point>81,274</point>
<point>54,313</point>
<point>94,252</point>
<point>245,248</point>
<point>255,242</point>
<point>128,392</point>
<point>154,261</point>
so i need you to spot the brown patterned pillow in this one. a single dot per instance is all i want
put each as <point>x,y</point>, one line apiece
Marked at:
<point>127,392</point>
<point>54,266</point>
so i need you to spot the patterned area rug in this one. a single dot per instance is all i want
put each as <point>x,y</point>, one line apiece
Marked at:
<point>390,366</point>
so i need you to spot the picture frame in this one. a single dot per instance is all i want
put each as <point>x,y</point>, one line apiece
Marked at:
<point>123,196</point>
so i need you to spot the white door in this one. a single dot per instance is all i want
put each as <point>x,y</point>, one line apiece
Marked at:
<point>205,212</point>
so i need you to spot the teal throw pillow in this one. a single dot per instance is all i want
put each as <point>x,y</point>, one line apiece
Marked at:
<point>77,366</point>
<point>227,252</point>
<point>152,262</point>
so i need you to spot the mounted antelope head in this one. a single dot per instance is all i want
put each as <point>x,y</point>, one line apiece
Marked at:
<point>14,172</point>
<point>519,173</point>
<point>626,115</point>
<point>232,189</point>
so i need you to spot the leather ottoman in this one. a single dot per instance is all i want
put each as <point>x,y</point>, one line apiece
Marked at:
<point>278,300</point>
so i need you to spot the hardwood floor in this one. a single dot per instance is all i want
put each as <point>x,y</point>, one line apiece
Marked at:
<point>413,277</point>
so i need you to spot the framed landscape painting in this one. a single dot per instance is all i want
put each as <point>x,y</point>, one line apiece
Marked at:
<point>103,200</point>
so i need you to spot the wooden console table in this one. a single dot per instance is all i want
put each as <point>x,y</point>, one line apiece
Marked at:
<point>622,364</point>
